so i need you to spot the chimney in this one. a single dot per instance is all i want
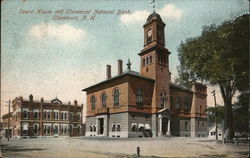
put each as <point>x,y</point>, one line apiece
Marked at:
<point>75,102</point>
<point>108,71</point>
<point>120,71</point>
<point>42,100</point>
<point>31,97</point>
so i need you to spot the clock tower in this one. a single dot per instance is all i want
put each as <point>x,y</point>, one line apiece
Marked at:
<point>154,61</point>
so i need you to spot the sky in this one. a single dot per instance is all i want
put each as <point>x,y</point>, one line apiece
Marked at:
<point>51,57</point>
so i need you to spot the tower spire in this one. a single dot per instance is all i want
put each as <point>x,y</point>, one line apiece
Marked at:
<point>129,64</point>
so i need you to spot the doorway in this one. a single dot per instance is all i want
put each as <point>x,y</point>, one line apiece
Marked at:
<point>101,125</point>
<point>56,130</point>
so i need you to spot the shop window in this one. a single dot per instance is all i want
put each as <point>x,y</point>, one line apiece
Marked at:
<point>118,128</point>
<point>113,128</point>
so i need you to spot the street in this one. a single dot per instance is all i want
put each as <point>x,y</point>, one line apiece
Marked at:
<point>118,148</point>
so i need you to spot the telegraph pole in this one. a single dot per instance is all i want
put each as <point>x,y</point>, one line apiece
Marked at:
<point>216,117</point>
<point>9,123</point>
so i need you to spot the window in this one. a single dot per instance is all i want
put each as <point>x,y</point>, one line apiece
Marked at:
<point>79,129</point>
<point>150,59</point>
<point>113,128</point>
<point>185,103</point>
<point>134,128</point>
<point>104,98</point>
<point>141,129</point>
<point>211,133</point>
<point>90,129</point>
<point>118,128</point>
<point>56,117</point>
<point>25,114</point>
<point>45,114</point>
<point>48,115</point>
<point>47,129</point>
<point>71,116</point>
<point>94,128</point>
<point>79,116</point>
<point>139,97</point>
<point>36,115</point>
<point>163,98</point>
<point>116,97</point>
<point>25,128</point>
<point>93,102</point>
<point>70,129</point>
<point>144,62</point>
<point>186,125</point>
<point>198,124</point>
<point>35,129</point>
<point>177,103</point>
<point>149,36</point>
<point>147,60</point>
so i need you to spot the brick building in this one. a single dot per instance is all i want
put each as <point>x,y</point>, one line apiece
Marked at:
<point>145,104</point>
<point>31,118</point>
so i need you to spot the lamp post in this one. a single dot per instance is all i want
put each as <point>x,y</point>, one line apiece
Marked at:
<point>216,118</point>
<point>9,123</point>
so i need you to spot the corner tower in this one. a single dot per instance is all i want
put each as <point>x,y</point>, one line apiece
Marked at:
<point>154,61</point>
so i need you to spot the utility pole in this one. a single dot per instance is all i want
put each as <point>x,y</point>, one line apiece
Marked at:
<point>216,117</point>
<point>9,123</point>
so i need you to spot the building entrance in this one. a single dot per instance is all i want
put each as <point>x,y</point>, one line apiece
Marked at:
<point>101,125</point>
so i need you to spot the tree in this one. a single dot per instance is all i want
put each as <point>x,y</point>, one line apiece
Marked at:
<point>240,111</point>
<point>219,57</point>
<point>211,111</point>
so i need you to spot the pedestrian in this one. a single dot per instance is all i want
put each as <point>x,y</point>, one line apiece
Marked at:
<point>138,151</point>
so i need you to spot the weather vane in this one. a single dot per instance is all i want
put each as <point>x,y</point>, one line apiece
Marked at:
<point>153,4</point>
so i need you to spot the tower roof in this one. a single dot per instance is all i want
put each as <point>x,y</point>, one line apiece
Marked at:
<point>154,15</point>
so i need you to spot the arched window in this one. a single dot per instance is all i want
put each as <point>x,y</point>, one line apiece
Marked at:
<point>118,128</point>
<point>25,114</point>
<point>162,97</point>
<point>90,129</point>
<point>150,59</point>
<point>113,128</point>
<point>144,62</point>
<point>35,129</point>
<point>116,97</point>
<point>94,128</point>
<point>139,97</point>
<point>104,99</point>
<point>149,36</point>
<point>147,61</point>
<point>134,128</point>
<point>92,102</point>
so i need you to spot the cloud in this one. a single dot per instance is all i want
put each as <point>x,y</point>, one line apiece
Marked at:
<point>137,16</point>
<point>61,32</point>
<point>171,12</point>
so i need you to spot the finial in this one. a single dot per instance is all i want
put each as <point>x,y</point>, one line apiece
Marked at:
<point>153,5</point>
<point>129,64</point>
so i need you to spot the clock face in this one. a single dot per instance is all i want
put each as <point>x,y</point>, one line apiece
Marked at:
<point>149,33</point>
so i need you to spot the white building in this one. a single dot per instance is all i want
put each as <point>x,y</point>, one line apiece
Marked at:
<point>212,132</point>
